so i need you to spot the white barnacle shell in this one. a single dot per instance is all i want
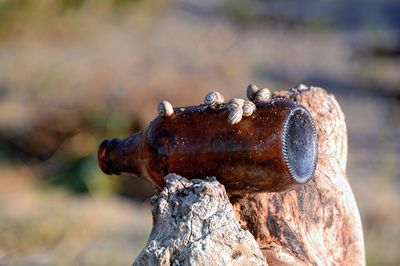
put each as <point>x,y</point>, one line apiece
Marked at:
<point>235,103</point>
<point>165,109</point>
<point>263,95</point>
<point>296,90</point>
<point>251,91</point>
<point>235,116</point>
<point>248,108</point>
<point>213,98</point>
<point>235,107</point>
<point>301,87</point>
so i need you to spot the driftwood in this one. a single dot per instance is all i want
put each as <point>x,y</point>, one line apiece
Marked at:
<point>194,224</point>
<point>316,224</point>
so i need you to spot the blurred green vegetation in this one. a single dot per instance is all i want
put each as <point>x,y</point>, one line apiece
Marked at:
<point>47,17</point>
<point>65,156</point>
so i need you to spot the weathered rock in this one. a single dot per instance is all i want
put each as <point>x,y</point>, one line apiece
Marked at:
<point>194,224</point>
<point>318,223</point>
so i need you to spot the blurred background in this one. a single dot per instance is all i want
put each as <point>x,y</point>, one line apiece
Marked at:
<point>73,72</point>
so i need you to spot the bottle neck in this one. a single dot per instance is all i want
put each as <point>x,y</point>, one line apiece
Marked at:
<point>116,156</point>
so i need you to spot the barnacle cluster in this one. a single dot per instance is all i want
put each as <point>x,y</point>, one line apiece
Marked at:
<point>238,108</point>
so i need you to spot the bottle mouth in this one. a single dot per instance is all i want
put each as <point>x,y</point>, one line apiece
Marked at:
<point>103,156</point>
<point>300,145</point>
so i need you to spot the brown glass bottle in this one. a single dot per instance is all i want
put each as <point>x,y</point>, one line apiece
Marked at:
<point>272,150</point>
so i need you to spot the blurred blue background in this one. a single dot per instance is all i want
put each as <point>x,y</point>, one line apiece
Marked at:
<point>73,72</point>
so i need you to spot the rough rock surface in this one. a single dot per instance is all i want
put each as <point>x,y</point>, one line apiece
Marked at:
<point>318,223</point>
<point>194,224</point>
